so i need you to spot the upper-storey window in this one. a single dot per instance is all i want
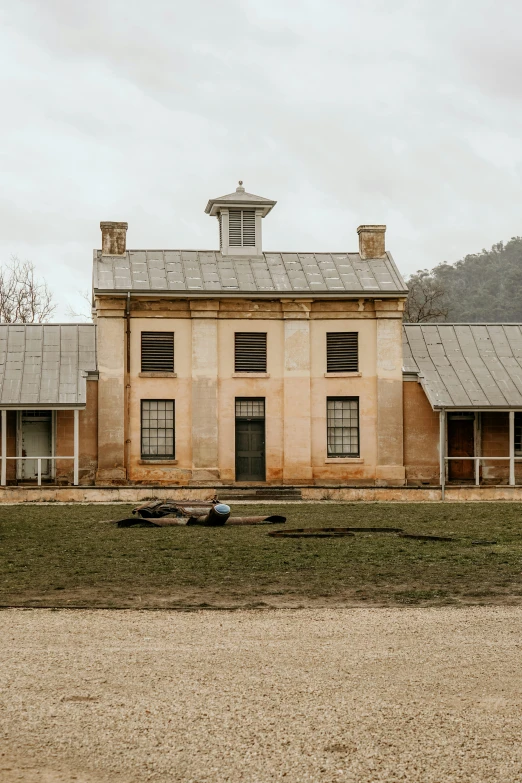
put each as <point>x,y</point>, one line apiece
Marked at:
<point>242,228</point>
<point>342,352</point>
<point>157,351</point>
<point>250,352</point>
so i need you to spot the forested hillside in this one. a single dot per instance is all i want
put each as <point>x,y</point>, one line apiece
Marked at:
<point>486,286</point>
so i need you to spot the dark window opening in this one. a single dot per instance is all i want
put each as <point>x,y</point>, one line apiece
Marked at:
<point>342,352</point>
<point>157,351</point>
<point>250,352</point>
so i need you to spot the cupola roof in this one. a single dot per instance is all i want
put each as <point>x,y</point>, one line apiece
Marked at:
<point>240,199</point>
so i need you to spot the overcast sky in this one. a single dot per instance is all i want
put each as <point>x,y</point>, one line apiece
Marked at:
<point>404,112</point>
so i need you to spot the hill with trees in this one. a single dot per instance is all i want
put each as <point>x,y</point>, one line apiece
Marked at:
<point>481,287</point>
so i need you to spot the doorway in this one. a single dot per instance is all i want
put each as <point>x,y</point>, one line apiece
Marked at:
<point>35,438</point>
<point>250,439</point>
<point>461,443</point>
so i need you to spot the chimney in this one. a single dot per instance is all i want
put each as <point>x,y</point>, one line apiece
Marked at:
<point>114,236</point>
<point>371,241</point>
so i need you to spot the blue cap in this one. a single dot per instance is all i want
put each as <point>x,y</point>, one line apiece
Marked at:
<point>222,508</point>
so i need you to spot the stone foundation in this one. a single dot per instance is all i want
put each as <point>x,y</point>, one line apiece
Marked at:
<point>455,494</point>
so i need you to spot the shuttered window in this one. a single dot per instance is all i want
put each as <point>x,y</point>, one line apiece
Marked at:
<point>342,426</point>
<point>250,352</point>
<point>342,352</point>
<point>157,429</point>
<point>157,351</point>
<point>242,228</point>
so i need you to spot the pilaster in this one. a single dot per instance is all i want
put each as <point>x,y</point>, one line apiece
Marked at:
<point>390,453</point>
<point>111,391</point>
<point>297,431</point>
<point>204,314</point>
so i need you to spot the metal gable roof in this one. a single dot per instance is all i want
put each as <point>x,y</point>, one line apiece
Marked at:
<point>45,364</point>
<point>466,365</point>
<point>196,272</point>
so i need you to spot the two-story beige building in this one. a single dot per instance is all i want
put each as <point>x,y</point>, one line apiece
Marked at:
<point>240,365</point>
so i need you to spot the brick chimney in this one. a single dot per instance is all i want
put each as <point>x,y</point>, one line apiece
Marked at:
<point>371,241</point>
<point>114,237</point>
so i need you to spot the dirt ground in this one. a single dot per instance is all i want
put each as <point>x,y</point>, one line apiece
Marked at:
<point>364,695</point>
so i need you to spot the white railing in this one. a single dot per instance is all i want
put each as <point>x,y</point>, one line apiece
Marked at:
<point>478,460</point>
<point>39,465</point>
<point>4,457</point>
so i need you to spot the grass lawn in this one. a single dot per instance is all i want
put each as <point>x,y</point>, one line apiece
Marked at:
<point>62,556</point>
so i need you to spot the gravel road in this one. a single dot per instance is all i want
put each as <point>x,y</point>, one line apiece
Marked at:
<point>310,695</point>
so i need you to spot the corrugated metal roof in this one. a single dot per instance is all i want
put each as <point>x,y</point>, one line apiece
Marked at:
<point>45,364</point>
<point>193,272</point>
<point>466,365</point>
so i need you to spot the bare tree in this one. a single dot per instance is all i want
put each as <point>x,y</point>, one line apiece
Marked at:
<point>426,299</point>
<point>85,313</point>
<point>23,298</point>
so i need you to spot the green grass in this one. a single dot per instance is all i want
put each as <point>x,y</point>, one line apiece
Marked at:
<point>70,556</point>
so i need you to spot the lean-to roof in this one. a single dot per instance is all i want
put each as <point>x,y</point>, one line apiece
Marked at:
<point>466,365</point>
<point>45,364</point>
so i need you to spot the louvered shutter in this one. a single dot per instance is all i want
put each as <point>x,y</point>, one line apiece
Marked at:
<point>234,228</point>
<point>249,228</point>
<point>242,228</point>
<point>342,352</point>
<point>157,351</point>
<point>250,352</point>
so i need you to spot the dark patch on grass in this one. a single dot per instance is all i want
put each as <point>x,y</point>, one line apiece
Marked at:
<point>70,556</point>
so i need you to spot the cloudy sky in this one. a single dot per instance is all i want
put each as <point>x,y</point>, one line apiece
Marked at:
<point>404,112</point>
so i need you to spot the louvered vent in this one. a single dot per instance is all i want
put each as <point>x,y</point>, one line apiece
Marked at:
<point>157,351</point>
<point>342,352</point>
<point>242,228</point>
<point>234,228</point>
<point>250,352</point>
<point>249,228</point>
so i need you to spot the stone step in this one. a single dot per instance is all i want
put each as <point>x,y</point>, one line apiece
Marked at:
<point>261,494</point>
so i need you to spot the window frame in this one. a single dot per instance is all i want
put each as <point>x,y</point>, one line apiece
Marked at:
<point>343,455</point>
<point>148,456</point>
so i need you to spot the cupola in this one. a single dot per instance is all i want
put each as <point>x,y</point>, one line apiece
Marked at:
<point>239,215</point>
